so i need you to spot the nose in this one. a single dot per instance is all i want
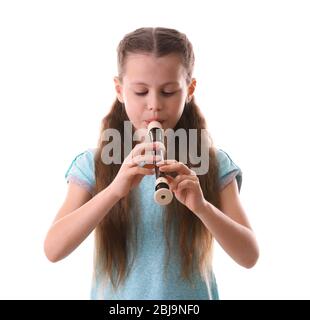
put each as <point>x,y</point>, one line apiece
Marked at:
<point>154,102</point>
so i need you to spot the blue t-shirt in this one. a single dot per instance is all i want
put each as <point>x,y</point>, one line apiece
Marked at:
<point>147,278</point>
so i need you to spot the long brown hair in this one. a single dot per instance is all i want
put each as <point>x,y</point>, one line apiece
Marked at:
<point>115,236</point>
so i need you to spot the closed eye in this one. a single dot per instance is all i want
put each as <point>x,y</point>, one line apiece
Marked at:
<point>163,93</point>
<point>168,93</point>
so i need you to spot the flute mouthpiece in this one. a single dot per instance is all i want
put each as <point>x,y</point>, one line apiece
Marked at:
<point>154,124</point>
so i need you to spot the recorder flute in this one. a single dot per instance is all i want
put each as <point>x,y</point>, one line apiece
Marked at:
<point>162,193</point>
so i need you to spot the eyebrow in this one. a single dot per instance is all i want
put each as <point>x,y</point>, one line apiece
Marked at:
<point>164,84</point>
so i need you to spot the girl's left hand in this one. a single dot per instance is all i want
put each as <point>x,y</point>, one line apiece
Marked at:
<point>185,186</point>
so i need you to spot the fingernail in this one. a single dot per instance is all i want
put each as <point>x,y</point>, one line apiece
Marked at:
<point>142,164</point>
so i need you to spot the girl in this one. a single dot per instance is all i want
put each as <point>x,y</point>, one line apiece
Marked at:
<point>144,250</point>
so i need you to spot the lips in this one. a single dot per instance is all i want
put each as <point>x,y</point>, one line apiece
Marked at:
<point>150,120</point>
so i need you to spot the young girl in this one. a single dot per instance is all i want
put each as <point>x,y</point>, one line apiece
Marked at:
<point>144,250</point>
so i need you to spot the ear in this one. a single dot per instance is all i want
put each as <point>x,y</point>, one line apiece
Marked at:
<point>191,90</point>
<point>118,89</point>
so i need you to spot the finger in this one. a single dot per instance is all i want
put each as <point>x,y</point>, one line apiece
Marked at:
<point>167,161</point>
<point>179,167</point>
<point>185,184</point>
<point>144,171</point>
<point>170,181</point>
<point>147,148</point>
<point>142,160</point>
<point>181,178</point>
<point>169,178</point>
<point>193,173</point>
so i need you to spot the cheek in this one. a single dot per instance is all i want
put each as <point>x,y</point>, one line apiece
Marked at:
<point>134,100</point>
<point>134,112</point>
<point>174,116</point>
<point>177,106</point>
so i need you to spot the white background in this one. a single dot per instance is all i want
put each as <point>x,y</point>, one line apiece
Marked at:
<point>57,62</point>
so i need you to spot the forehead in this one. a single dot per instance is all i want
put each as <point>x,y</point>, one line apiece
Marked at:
<point>148,69</point>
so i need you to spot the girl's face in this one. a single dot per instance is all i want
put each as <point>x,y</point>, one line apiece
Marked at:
<point>154,89</point>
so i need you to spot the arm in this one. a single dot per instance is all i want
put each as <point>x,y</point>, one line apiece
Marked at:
<point>230,226</point>
<point>76,219</point>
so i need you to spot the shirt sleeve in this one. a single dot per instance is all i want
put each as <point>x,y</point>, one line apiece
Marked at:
<point>81,170</point>
<point>228,170</point>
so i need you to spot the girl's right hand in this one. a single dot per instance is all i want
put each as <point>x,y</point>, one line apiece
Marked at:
<point>135,166</point>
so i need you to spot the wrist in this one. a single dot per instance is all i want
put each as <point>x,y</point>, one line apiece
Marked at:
<point>112,191</point>
<point>203,209</point>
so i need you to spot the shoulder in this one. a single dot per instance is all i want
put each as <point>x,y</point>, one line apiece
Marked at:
<point>83,160</point>
<point>230,177</point>
<point>81,170</point>
<point>228,170</point>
